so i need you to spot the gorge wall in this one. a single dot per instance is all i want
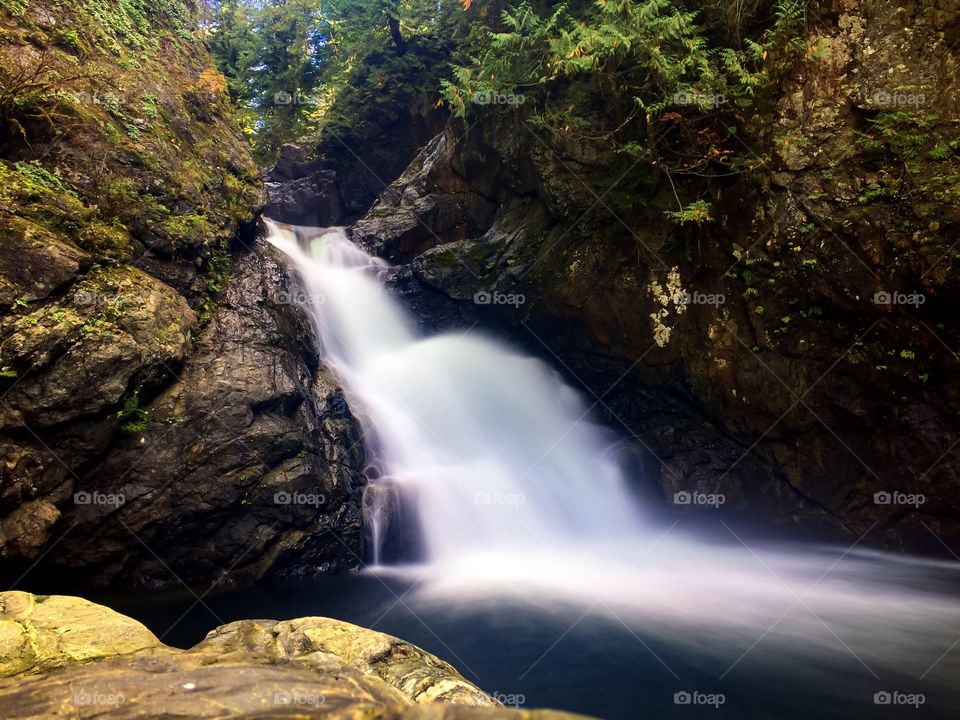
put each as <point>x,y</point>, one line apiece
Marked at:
<point>164,418</point>
<point>795,353</point>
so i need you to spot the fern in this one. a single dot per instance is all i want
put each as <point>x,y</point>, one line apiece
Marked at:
<point>133,418</point>
<point>697,212</point>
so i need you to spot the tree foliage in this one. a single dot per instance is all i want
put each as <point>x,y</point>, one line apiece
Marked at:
<point>288,60</point>
<point>607,71</point>
<point>618,72</point>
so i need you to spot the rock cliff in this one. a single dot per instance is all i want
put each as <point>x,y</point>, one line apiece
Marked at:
<point>164,417</point>
<point>794,353</point>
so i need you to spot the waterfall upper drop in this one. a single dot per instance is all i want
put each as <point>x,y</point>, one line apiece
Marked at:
<point>489,448</point>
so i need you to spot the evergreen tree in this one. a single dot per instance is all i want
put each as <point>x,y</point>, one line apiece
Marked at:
<point>234,47</point>
<point>283,57</point>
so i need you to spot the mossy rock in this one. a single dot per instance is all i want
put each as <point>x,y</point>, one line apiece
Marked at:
<point>305,668</point>
<point>39,633</point>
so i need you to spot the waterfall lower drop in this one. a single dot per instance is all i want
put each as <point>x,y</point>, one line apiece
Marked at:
<point>490,446</point>
<point>487,461</point>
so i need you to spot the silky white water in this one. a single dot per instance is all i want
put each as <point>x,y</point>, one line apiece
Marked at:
<point>515,493</point>
<point>493,448</point>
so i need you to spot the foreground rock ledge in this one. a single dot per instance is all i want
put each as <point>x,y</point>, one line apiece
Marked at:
<point>68,657</point>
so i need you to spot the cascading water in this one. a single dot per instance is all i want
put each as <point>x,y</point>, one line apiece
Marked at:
<point>491,460</point>
<point>487,444</point>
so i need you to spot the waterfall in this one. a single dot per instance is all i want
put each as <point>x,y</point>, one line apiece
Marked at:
<point>489,487</point>
<point>488,480</point>
<point>489,445</point>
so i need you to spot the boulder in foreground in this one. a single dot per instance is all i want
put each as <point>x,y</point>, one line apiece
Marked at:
<point>67,657</point>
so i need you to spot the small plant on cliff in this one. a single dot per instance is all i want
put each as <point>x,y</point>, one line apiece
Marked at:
<point>925,149</point>
<point>697,212</point>
<point>39,175</point>
<point>14,7</point>
<point>119,24</point>
<point>133,418</point>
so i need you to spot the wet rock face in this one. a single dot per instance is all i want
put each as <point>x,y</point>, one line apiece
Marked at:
<point>164,417</point>
<point>248,463</point>
<point>765,355</point>
<point>309,667</point>
<point>34,264</point>
<point>234,457</point>
<point>312,199</point>
<point>72,363</point>
<point>428,205</point>
<point>116,329</point>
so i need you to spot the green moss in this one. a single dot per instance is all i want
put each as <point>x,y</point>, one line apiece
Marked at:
<point>219,269</point>
<point>108,241</point>
<point>70,41</point>
<point>187,228</point>
<point>446,259</point>
<point>14,7</point>
<point>38,195</point>
<point>38,176</point>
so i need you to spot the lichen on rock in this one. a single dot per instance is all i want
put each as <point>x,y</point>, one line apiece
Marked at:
<point>309,667</point>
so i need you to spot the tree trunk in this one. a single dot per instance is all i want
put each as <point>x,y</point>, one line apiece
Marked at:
<point>398,40</point>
